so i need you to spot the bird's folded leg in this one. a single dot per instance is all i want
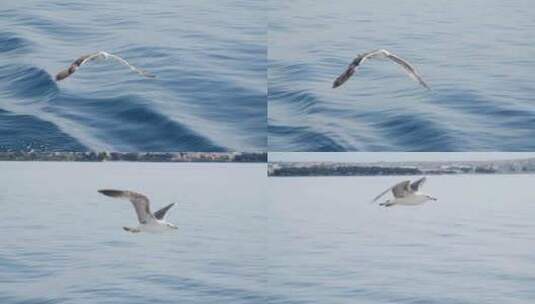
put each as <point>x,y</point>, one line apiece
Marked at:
<point>133,230</point>
<point>386,204</point>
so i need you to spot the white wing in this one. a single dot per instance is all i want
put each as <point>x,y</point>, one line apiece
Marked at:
<point>381,195</point>
<point>400,189</point>
<point>133,68</point>
<point>378,54</point>
<point>141,203</point>
<point>91,57</point>
<point>411,71</point>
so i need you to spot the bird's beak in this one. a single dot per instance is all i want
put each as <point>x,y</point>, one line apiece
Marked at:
<point>434,199</point>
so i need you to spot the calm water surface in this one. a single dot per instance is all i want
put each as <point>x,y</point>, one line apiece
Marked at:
<point>62,241</point>
<point>327,244</point>
<point>246,238</point>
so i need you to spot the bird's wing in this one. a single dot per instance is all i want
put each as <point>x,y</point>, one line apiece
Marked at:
<point>141,203</point>
<point>133,68</point>
<point>373,54</point>
<point>160,214</point>
<point>381,195</point>
<point>74,66</point>
<point>86,58</point>
<point>396,190</point>
<point>411,71</point>
<point>401,189</point>
<point>349,71</point>
<point>418,184</point>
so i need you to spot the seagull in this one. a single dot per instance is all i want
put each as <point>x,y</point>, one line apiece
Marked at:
<point>378,54</point>
<point>148,222</point>
<point>98,56</point>
<point>406,194</point>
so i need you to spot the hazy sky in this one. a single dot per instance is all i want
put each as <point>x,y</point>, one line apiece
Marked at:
<point>393,156</point>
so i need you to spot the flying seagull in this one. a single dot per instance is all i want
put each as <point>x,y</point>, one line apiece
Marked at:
<point>148,222</point>
<point>98,56</point>
<point>406,193</point>
<point>378,54</point>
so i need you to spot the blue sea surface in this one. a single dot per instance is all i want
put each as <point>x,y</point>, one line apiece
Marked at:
<point>328,244</point>
<point>477,56</point>
<point>62,241</point>
<point>210,59</point>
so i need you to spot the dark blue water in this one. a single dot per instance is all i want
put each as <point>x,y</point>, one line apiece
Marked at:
<point>210,62</point>
<point>477,56</point>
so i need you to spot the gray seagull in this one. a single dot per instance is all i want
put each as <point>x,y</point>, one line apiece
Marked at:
<point>148,222</point>
<point>378,54</point>
<point>406,194</point>
<point>98,56</point>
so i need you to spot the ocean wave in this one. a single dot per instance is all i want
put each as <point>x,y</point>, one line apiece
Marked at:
<point>209,94</point>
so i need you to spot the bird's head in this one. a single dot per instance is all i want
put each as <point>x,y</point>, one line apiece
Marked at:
<point>171,226</point>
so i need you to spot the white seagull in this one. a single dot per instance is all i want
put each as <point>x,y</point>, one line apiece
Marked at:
<point>378,54</point>
<point>98,56</point>
<point>406,194</point>
<point>148,222</point>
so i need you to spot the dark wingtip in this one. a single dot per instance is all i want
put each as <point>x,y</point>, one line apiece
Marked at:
<point>62,75</point>
<point>108,192</point>
<point>339,81</point>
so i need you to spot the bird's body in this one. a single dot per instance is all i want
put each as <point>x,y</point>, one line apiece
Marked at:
<point>150,227</point>
<point>148,222</point>
<point>409,200</point>
<point>378,54</point>
<point>98,57</point>
<point>406,194</point>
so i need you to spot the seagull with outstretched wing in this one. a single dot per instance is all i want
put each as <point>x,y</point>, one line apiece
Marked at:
<point>98,56</point>
<point>148,221</point>
<point>406,193</point>
<point>378,54</point>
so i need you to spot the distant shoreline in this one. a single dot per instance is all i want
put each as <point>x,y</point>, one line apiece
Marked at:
<point>305,169</point>
<point>161,157</point>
